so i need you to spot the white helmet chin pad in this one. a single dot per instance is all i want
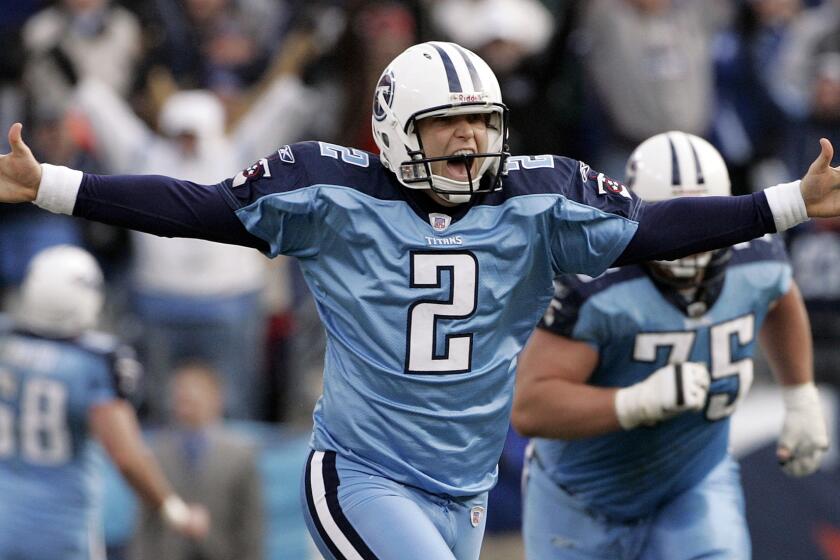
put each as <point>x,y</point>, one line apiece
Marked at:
<point>431,80</point>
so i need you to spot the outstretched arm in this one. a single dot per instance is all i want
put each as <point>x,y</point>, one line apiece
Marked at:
<point>115,426</point>
<point>150,203</point>
<point>785,339</point>
<point>689,225</point>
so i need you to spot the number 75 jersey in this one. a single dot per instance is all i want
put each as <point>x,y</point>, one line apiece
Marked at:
<point>425,312</point>
<point>636,329</point>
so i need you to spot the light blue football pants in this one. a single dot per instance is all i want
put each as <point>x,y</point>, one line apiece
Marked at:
<point>356,514</point>
<point>706,521</point>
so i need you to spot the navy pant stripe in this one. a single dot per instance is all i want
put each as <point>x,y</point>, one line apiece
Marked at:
<point>310,504</point>
<point>331,483</point>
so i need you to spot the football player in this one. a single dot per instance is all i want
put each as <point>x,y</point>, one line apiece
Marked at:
<point>629,382</point>
<point>62,389</point>
<point>430,264</point>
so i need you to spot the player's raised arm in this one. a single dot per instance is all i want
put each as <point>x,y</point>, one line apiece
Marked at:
<point>151,203</point>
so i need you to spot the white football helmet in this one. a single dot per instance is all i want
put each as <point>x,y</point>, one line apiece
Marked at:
<point>431,80</point>
<point>674,164</point>
<point>61,294</point>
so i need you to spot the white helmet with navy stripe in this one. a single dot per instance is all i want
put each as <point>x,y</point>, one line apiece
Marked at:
<point>671,165</point>
<point>431,80</point>
<point>674,164</point>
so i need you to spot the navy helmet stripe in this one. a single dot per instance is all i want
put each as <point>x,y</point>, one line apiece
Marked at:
<point>675,164</point>
<point>700,179</point>
<point>476,79</point>
<point>451,73</point>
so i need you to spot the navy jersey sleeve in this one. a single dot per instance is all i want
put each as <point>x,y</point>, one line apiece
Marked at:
<point>162,206</point>
<point>118,372</point>
<point>684,226</point>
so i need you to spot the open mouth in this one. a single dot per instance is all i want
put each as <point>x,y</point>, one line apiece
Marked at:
<point>457,167</point>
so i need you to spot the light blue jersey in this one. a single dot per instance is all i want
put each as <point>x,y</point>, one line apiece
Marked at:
<point>637,328</point>
<point>425,312</point>
<point>49,465</point>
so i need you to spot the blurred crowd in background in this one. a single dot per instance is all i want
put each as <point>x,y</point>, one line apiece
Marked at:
<point>200,89</point>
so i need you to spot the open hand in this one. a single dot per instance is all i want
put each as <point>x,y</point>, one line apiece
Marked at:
<point>821,185</point>
<point>20,173</point>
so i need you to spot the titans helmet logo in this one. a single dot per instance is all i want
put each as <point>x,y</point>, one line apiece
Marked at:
<point>385,88</point>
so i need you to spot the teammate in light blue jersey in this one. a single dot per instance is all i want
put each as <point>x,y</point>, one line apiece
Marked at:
<point>430,266</point>
<point>629,383</point>
<point>61,388</point>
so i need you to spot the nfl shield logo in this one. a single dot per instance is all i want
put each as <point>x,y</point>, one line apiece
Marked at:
<point>476,513</point>
<point>439,221</point>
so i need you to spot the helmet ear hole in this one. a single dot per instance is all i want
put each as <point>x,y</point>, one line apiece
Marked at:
<point>385,140</point>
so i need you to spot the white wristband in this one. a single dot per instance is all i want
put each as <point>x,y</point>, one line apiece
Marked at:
<point>627,411</point>
<point>787,205</point>
<point>58,189</point>
<point>802,395</point>
<point>174,511</point>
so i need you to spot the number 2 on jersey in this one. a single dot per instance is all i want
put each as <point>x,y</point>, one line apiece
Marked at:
<point>427,268</point>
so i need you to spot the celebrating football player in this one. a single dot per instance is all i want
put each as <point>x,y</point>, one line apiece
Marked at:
<point>62,388</point>
<point>629,382</point>
<point>430,265</point>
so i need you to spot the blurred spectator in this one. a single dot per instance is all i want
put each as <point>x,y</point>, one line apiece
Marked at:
<point>221,45</point>
<point>823,96</point>
<point>651,69</point>
<point>79,38</point>
<point>373,34</point>
<point>195,298</point>
<point>751,125</point>
<point>796,72</point>
<point>206,462</point>
<point>12,18</point>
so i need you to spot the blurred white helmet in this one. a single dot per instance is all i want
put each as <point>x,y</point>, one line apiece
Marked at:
<point>431,80</point>
<point>674,164</point>
<point>61,294</point>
